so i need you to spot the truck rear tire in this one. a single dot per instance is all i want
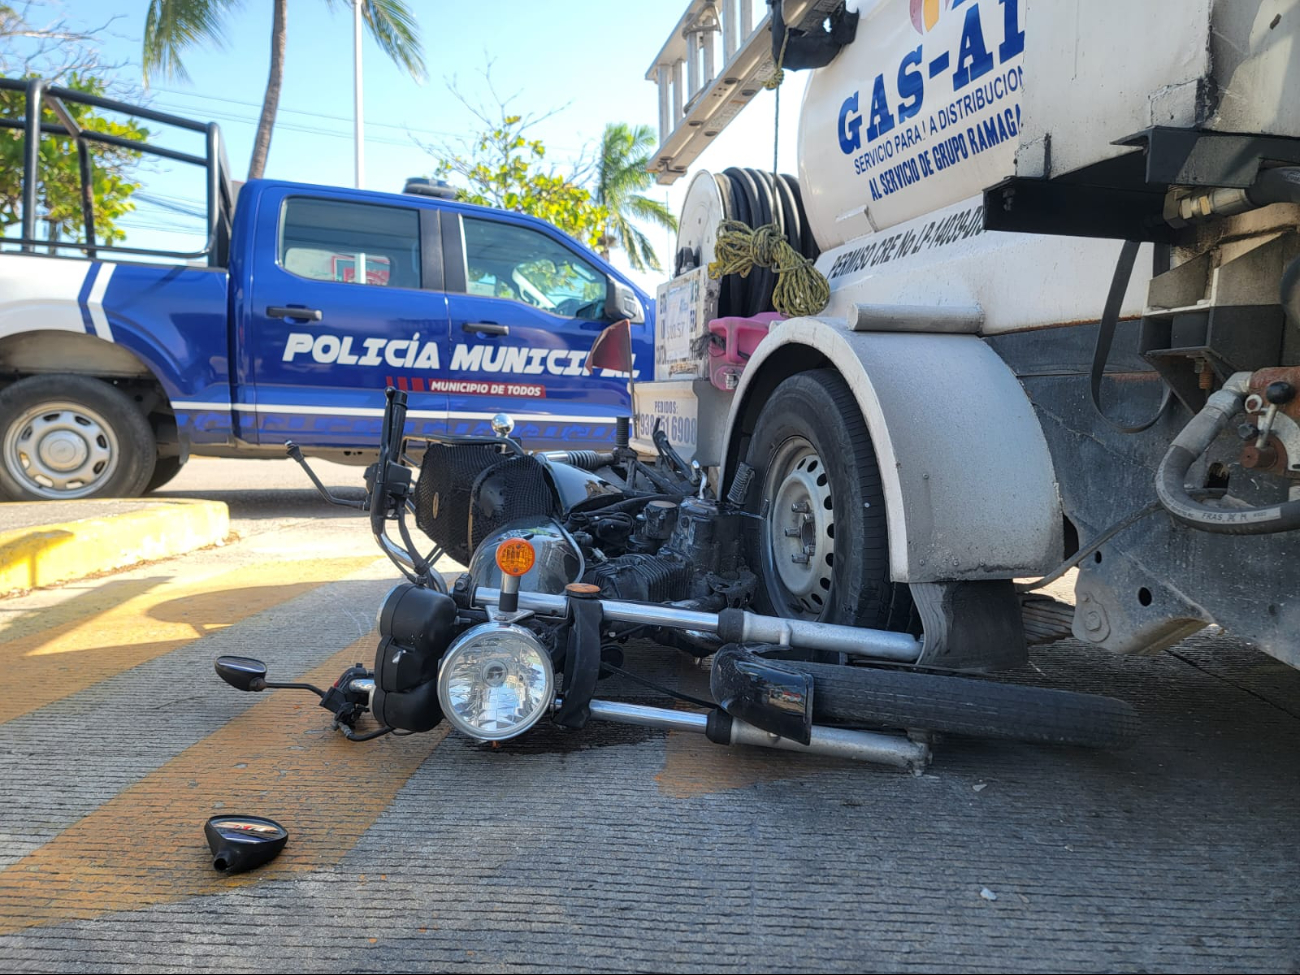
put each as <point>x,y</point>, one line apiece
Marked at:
<point>67,437</point>
<point>820,548</point>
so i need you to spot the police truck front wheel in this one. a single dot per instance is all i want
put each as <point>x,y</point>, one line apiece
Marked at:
<point>165,469</point>
<point>69,437</point>
<point>819,545</point>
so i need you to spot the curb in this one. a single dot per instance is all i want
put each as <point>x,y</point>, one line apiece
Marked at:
<point>48,554</point>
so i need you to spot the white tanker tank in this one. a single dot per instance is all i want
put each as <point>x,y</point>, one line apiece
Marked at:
<point>1063,329</point>
<point>922,110</point>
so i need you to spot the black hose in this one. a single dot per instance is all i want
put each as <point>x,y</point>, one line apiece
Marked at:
<point>1194,439</point>
<point>764,278</point>
<point>807,243</point>
<point>1106,336</point>
<point>1279,185</point>
<point>588,460</point>
<point>753,197</point>
<point>1289,292</point>
<point>1282,517</point>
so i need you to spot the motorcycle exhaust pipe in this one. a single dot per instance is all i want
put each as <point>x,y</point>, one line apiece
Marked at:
<point>724,729</point>
<point>738,626</point>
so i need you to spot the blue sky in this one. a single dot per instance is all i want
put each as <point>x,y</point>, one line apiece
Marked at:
<point>588,55</point>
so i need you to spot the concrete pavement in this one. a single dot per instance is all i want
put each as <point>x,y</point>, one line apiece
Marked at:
<point>611,849</point>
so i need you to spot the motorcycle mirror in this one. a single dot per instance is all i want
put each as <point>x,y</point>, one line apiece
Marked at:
<point>242,673</point>
<point>240,843</point>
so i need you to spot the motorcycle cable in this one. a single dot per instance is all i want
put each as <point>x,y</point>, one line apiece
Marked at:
<point>350,735</point>
<point>645,682</point>
<point>599,505</point>
<point>422,568</point>
<point>658,480</point>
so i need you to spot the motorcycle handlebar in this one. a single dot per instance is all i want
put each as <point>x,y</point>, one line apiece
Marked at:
<point>390,451</point>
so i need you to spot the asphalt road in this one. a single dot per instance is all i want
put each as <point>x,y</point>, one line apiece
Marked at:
<point>264,495</point>
<point>614,848</point>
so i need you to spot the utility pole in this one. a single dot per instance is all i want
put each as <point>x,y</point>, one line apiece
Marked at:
<point>358,111</point>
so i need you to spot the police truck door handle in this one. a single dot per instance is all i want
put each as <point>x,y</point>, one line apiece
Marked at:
<point>485,328</point>
<point>302,314</point>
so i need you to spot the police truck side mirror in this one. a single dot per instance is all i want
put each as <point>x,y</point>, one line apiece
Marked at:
<point>622,302</point>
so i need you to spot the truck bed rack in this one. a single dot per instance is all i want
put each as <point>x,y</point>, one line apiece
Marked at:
<point>39,94</point>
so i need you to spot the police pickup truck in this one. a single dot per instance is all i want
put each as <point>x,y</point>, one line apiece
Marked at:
<point>117,364</point>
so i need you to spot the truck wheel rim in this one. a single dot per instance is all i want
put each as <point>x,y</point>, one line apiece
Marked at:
<point>799,529</point>
<point>61,451</point>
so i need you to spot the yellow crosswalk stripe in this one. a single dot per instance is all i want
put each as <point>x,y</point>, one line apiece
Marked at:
<point>277,759</point>
<point>85,644</point>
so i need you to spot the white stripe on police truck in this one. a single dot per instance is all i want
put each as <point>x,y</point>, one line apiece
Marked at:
<point>46,290</point>
<point>95,301</point>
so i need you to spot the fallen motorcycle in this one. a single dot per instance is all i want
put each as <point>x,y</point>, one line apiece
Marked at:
<point>571,554</point>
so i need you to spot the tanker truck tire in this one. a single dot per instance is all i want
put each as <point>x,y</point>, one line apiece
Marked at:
<point>819,546</point>
<point>70,437</point>
<point>968,707</point>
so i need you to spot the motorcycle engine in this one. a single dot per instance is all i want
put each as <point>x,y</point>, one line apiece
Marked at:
<point>585,527</point>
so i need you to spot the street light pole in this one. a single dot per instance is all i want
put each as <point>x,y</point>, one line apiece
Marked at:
<point>358,110</point>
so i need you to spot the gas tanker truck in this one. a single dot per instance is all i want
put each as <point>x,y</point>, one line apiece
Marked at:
<point>1063,324</point>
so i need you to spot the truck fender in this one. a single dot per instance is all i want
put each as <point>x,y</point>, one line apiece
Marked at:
<point>970,490</point>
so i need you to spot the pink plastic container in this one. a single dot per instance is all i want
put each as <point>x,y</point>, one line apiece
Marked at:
<point>734,341</point>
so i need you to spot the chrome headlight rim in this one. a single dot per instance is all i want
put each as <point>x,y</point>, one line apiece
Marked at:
<point>467,640</point>
<point>549,539</point>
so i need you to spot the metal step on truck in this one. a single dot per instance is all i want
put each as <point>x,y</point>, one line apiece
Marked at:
<point>296,310</point>
<point>1063,324</point>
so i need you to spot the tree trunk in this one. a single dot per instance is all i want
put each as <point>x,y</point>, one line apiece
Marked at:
<point>262,143</point>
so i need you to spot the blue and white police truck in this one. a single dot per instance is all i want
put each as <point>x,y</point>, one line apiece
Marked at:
<point>117,364</point>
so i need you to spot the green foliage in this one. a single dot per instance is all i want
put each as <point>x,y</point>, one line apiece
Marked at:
<point>503,168</point>
<point>60,173</point>
<point>392,25</point>
<point>621,176</point>
<point>171,26</point>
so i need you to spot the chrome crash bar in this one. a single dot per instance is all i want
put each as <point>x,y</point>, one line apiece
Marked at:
<point>737,626</point>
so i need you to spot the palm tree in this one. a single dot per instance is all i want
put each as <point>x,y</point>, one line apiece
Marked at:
<point>621,174</point>
<point>174,25</point>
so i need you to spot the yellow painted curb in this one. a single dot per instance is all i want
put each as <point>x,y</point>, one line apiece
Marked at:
<point>48,554</point>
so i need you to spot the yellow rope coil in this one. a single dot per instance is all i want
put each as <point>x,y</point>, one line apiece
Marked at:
<point>800,288</point>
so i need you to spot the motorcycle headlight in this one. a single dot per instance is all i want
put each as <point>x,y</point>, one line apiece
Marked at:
<point>495,682</point>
